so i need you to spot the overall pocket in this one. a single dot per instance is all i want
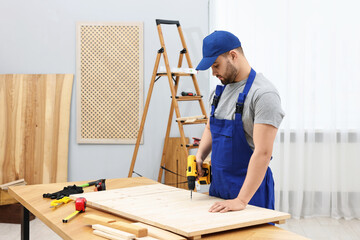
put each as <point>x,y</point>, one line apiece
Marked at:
<point>222,144</point>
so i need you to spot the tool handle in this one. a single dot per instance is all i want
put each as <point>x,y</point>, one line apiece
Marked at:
<point>162,21</point>
<point>94,182</point>
<point>55,203</point>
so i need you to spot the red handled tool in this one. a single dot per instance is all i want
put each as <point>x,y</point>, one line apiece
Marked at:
<point>188,94</point>
<point>196,141</point>
<point>80,205</point>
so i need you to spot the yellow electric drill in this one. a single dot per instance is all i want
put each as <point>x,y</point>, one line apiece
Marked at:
<point>192,174</point>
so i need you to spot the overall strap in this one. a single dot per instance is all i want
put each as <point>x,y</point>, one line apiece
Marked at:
<point>242,95</point>
<point>219,90</point>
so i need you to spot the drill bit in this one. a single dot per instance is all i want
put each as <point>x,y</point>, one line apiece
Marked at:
<point>191,194</point>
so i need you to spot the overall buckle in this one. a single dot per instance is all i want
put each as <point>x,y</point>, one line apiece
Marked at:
<point>239,108</point>
<point>215,101</point>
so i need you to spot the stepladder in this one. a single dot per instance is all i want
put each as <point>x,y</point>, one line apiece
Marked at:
<point>173,79</point>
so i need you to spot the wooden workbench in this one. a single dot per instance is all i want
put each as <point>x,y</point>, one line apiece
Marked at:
<point>30,197</point>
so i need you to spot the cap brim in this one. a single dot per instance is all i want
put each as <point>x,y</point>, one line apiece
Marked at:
<point>206,62</point>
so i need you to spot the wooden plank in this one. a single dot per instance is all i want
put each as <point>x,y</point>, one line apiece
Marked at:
<point>175,161</point>
<point>115,232</point>
<point>34,127</point>
<point>147,238</point>
<point>92,219</point>
<point>170,208</point>
<point>19,182</point>
<point>191,118</point>
<point>107,235</point>
<point>159,233</point>
<point>95,219</point>
<point>5,198</point>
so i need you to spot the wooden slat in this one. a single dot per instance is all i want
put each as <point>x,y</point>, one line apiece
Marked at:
<point>5,198</point>
<point>19,182</point>
<point>159,233</point>
<point>175,74</point>
<point>92,219</point>
<point>172,209</point>
<point>113,231</point>
<point>189,98</point>
<point>191,146</point>
<point>34,127</point>
<point>198,121</point>
<point>107,235</point>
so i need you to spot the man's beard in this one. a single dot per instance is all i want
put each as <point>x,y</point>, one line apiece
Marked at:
<point>230,74</point>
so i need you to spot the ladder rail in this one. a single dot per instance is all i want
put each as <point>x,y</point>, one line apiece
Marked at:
<point>142,124</point>
<point>171,113</point>
<point>187,55</point>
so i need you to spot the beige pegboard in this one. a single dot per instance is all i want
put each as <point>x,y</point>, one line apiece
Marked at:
<point>109,82</point>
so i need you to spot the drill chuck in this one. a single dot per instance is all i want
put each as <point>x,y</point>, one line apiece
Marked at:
<point>191,182</point>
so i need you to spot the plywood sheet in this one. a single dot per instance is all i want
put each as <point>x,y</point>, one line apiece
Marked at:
<point>109,81</point>
<point>34,127</point>
<point>170,208</point>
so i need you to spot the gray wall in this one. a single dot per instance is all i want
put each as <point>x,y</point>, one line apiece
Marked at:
<point>38,36</point>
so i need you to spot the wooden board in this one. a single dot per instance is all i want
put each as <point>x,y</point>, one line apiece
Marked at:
<point>171,208</point>
<point>34,127</point>
<point>5,198</point>
<point>175,161</point>
<point>109,81</point>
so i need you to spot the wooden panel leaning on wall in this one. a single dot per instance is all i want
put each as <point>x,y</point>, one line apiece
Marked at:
<point>34,127</point>
<point>176,162</point>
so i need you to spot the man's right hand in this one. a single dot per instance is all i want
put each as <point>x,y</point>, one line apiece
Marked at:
<point>199,168</point>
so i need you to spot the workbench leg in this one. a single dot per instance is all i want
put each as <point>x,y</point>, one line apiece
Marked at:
<point>25,226</point>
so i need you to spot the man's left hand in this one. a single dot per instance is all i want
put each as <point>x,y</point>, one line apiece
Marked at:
<point>228,205</point>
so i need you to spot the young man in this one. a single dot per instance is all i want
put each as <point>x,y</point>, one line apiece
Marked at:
<point>246,113</point>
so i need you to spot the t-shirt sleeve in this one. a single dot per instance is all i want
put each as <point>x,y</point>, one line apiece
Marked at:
<point>268,109</point>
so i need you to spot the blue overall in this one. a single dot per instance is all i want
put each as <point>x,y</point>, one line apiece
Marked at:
<point>231,154</point>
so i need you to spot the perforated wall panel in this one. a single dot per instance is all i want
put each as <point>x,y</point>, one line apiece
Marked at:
<point>109,82</point>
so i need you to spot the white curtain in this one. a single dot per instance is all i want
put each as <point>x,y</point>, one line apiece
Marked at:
<point>310,50</point>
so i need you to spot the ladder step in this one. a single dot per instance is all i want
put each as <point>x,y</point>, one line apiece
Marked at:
<point>190,119</point>
<point>197,121</point>
<point>175,74</point>
<point>191,146</point>
<point>188,98</point>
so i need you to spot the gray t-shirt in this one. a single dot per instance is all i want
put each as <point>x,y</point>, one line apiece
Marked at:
<point>262,105</point>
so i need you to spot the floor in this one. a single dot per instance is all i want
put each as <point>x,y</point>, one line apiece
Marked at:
<point>314,228</point>
<point>321,228</point>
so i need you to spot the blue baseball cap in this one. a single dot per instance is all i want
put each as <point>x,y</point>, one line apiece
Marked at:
<point>214,45</point>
